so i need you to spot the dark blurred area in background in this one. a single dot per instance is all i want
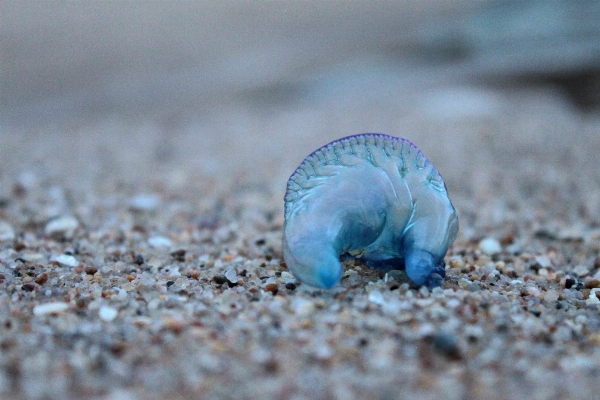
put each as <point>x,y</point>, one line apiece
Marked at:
<point>62,60</point>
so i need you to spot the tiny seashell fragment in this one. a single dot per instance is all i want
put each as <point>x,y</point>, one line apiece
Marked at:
<point>145,202</point>
<point>50,308</point>
<point>376,297</point>
<point>66,260</point>
<point>375,197</point>
<point>490,246</point>
<point>160,241</point>
<point>32,257</point>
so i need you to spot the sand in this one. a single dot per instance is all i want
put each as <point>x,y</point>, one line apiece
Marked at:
<point>141,263</point>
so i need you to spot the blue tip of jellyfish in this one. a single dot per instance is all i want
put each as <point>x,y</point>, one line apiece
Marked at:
<point>436,278</point>
<point>329,279</point>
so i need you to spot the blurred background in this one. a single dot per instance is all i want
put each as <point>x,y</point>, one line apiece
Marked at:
<point>503,96</point>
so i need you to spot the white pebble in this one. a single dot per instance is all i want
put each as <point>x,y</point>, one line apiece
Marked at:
<point>581,270</point>
<point>323,352</point>
<point>121,294</point>
<point>107,314</point>
<point>543,261</point>
<point>7,233</point>
<point>32,257</point>
<point>376,297</point>
<point>63,226</point>
<point>572,233</point>
<point>231,276</point>
<point>453,302</point>
<point>67,260</point>
<point>49,308</point>
<point>160,241</point>
<point>153,304</point>
<point>551,296</point>
<point>145,202</point>
<point>302,306</point>
<point>490,246</point>
<point>593,299</point>
<point>286,275</point>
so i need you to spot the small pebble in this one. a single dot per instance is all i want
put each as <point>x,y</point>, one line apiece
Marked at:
<point>28,287</point>
<point>33,257</point>
<point>219,279</point>
<point>473,287</point>
<point>551,296</point>
<point>145,202</point>
<point>41,278</point>
<point>66,260</point>
<point>231,276</point>
<point>447,344</point>
<point>591,283</point>
<point>376,297</point>
<point>543,261</point>
<point>139,260</point>
<point>50,308</point>
<point>91,270</point>
<point>569,282</point>
<point>179,255</point>
<point>176,325</point>
<point>302,306</point>
<point>271,287</point>
<point>593,298</point>
<point>581,270</point>
<point>61,227</point>
<point>160,241</point>
<point>573,233</point>
<point>490,246</point>
<point>107,314</point>
<point>286,275</point>
<point>194,274</point>
<point>290,286</point>
<point>323,352</point>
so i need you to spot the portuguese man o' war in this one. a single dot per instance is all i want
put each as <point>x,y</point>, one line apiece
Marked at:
<point>375,197</point>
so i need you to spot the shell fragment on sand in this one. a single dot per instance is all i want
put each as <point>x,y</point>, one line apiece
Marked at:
<point>50,308</point>
<point>66,260</point>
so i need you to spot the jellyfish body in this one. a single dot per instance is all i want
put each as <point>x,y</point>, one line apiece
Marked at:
<point>374,196</point>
